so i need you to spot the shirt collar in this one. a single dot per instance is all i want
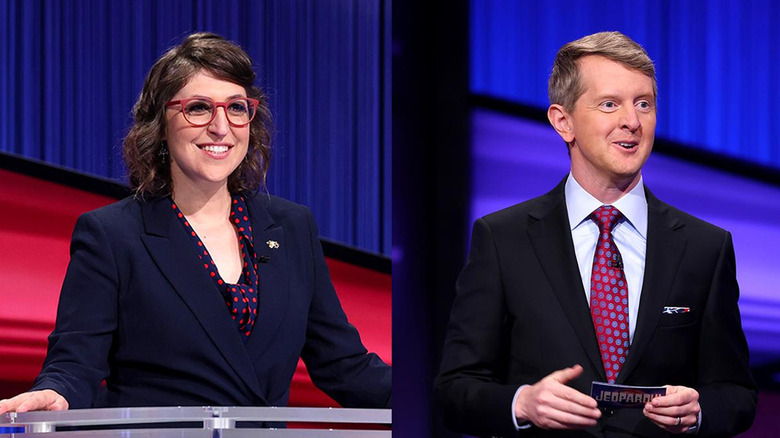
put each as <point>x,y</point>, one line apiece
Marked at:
<point>239,215</point>
<point>580,204</point>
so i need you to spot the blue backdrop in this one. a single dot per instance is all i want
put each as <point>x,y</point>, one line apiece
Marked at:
<point>70,72</point>
<point>717,63</point>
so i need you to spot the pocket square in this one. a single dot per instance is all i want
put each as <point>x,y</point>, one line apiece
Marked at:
<point>673,310</point>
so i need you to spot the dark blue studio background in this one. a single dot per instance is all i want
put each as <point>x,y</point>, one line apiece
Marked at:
<point>716,62</point>
<point>70,71</point>
<point>470,136</point>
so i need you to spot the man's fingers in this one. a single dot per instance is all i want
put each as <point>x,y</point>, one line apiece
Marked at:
<point>677,411</point>
<point>564,415</point>
<point>549,423</point>
<point>673,411</point>
<point>566,375</point>
<point>672,423</point>
<point>568,400</point>
<point>573,414</point>
<point>575,421</point>
<point>568,408</point>
<point>676,396</point>
<point>575,397</point>
<point>551,404</point>
<point>665,416</point>
<point>565,420</point>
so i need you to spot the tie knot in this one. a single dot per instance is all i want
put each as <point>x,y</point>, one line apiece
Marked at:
<point>606,217</point>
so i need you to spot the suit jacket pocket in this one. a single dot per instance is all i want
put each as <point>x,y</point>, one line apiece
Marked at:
<point>670,320</point>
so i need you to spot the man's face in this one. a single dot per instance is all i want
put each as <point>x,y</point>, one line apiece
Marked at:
<point>612,126</point>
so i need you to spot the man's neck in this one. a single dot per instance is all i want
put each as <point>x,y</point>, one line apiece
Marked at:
<point>604,189</point>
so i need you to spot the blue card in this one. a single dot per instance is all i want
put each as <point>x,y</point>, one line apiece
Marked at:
<point>624,396</point>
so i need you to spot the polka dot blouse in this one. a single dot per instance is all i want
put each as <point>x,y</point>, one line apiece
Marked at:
<point>241,299</point>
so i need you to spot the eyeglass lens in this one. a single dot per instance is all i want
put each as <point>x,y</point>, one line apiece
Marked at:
<point>201,111</point>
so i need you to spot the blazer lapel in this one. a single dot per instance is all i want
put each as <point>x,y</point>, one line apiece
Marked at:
<point>551,239</point>
<point>666,242</point>
<point>172,250</point>
<point>272,252</point>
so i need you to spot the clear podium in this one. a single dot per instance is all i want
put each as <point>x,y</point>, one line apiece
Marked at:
<point>193,421</point>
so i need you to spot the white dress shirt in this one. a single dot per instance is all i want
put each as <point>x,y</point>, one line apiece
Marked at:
<point>630,236</point>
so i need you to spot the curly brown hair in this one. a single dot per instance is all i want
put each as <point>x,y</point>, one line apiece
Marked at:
<point>143,148</point>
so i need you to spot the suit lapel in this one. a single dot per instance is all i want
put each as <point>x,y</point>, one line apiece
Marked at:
<point>272,251</point>
<point>173,252</point>
<point>551,239</point>
<point>665,246</point>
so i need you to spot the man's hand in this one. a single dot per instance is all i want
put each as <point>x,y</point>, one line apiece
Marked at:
<point>44,400</point>
<point>677,411</point>
<point>550,404</point>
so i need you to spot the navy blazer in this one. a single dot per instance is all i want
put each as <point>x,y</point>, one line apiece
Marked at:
<point>138,310</point>
<point>521,313</point>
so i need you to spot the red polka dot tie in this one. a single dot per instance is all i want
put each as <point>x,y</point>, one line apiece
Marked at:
<point>609,294</point>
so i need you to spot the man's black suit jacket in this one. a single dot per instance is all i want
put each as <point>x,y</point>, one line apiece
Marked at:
<point>520,313</point>
<point>138,310</point>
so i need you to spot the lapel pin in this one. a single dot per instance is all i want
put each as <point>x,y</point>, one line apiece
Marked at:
<point>272,244</point>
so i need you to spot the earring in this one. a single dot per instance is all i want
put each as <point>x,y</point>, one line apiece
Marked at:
<point>163,153</point>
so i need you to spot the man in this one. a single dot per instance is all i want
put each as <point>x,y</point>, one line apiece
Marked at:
<point>537,318</point>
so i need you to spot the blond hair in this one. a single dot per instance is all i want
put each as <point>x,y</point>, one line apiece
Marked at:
<point>565,85</point>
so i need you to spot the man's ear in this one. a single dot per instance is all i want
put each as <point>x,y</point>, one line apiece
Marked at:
<point>561,120</point>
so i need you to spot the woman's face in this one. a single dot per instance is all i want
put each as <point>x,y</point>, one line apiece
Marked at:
<point>203,157</point>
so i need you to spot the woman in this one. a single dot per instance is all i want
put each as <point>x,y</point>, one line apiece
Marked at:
<point>199,290</point>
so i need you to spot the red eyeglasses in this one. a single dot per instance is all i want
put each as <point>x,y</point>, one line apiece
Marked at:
<point>200,111</point>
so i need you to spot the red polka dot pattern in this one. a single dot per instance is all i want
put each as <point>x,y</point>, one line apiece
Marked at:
<point>609,294</point>
<point>241,299</point>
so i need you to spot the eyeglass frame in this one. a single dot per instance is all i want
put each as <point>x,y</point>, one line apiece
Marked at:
<point>217,105</point>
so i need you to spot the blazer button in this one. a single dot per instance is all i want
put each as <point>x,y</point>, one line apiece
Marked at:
<point>608,412</point>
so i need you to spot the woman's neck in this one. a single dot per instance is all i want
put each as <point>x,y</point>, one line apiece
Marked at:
<point>205,206</point>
